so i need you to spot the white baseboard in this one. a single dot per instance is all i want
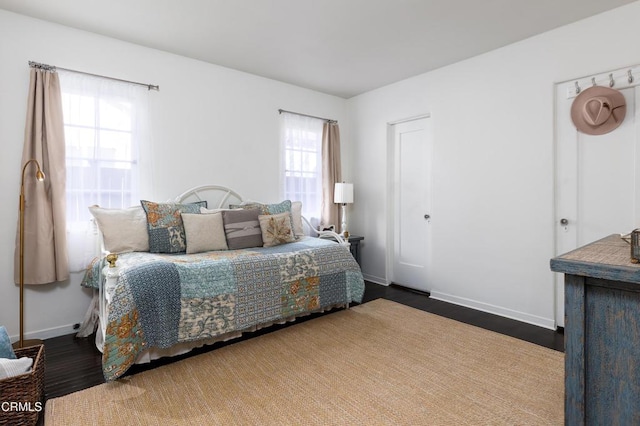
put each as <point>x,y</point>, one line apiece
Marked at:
<point>497,310</point>
<point>46,333</point>
<point>374,279</point>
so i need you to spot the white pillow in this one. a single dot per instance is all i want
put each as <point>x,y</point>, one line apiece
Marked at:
<point>204,232</point>
<point>123,230</point>
<point>296,216</point>
<point>14,367</point>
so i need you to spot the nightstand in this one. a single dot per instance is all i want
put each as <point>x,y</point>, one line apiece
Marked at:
<point>354,246</point>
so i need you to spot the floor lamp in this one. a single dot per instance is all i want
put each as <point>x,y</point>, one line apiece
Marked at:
<point>39,177</point>
<point>343,194</point>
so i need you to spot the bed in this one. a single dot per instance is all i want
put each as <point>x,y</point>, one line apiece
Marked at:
<point>153,304</point>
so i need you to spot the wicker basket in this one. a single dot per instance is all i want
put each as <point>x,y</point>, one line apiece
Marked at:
<point>27,390</point>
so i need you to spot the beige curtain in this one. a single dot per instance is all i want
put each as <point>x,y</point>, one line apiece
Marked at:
<point>331,173</point>
<point>45,242</point>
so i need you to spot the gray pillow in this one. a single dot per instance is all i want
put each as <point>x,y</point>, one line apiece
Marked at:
<point>242,228</point>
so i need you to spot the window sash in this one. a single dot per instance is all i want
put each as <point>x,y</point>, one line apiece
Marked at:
<point>102,163</point>
<point>302,162</point>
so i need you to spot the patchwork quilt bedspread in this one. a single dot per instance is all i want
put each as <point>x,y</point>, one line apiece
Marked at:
<point>163,299</point>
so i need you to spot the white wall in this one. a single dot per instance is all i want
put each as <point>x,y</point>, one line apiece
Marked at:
<point>210,125</point>
<point>493,121</point>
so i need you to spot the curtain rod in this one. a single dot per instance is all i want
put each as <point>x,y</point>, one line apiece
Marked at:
<point>280,111</point>
<point>46,67</point>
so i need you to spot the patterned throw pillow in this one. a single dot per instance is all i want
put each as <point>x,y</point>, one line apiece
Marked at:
<point>6,350</point>
<point>284,206</point>
<point>242,228</point>
<point>247,206</point>
<point>165,227</point>
<point>276,229</point>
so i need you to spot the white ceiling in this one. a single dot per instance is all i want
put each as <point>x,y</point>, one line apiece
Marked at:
<point>340,47</point>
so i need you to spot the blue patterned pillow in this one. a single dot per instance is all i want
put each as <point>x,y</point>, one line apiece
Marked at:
<point>247,206</point>
<point>282,207</point>
<point>6,350</point>
<point>164,223</point>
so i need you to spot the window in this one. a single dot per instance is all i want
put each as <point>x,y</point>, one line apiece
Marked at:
<point>104,128</point>
<point>302,150</point>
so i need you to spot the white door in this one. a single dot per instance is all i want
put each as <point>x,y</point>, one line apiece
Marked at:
<point>410,174</point>
<point>597,179</point>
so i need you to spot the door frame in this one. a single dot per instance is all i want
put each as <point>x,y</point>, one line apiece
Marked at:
<point>620,76</point>
<point>390,190</point>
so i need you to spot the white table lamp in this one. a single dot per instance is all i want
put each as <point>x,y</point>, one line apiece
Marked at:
<point>343,194</point>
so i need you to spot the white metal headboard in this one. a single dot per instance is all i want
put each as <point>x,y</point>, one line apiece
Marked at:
<point>216,196</point>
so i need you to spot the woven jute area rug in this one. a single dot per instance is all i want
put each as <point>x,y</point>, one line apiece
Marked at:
<point>376,363</point>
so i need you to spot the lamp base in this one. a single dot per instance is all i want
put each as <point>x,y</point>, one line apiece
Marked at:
<point>343,225</point>
<point>27,343</point>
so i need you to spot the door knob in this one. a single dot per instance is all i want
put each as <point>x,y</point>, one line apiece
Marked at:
<point>564,221</point>
<point>426,216</point>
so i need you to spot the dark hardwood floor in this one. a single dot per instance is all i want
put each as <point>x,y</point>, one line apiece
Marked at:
<point>74,364</point>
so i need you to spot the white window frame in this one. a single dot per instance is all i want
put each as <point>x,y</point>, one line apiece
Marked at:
<point>302,162</point>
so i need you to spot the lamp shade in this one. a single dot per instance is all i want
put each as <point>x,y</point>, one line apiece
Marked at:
<point>343,193</point>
